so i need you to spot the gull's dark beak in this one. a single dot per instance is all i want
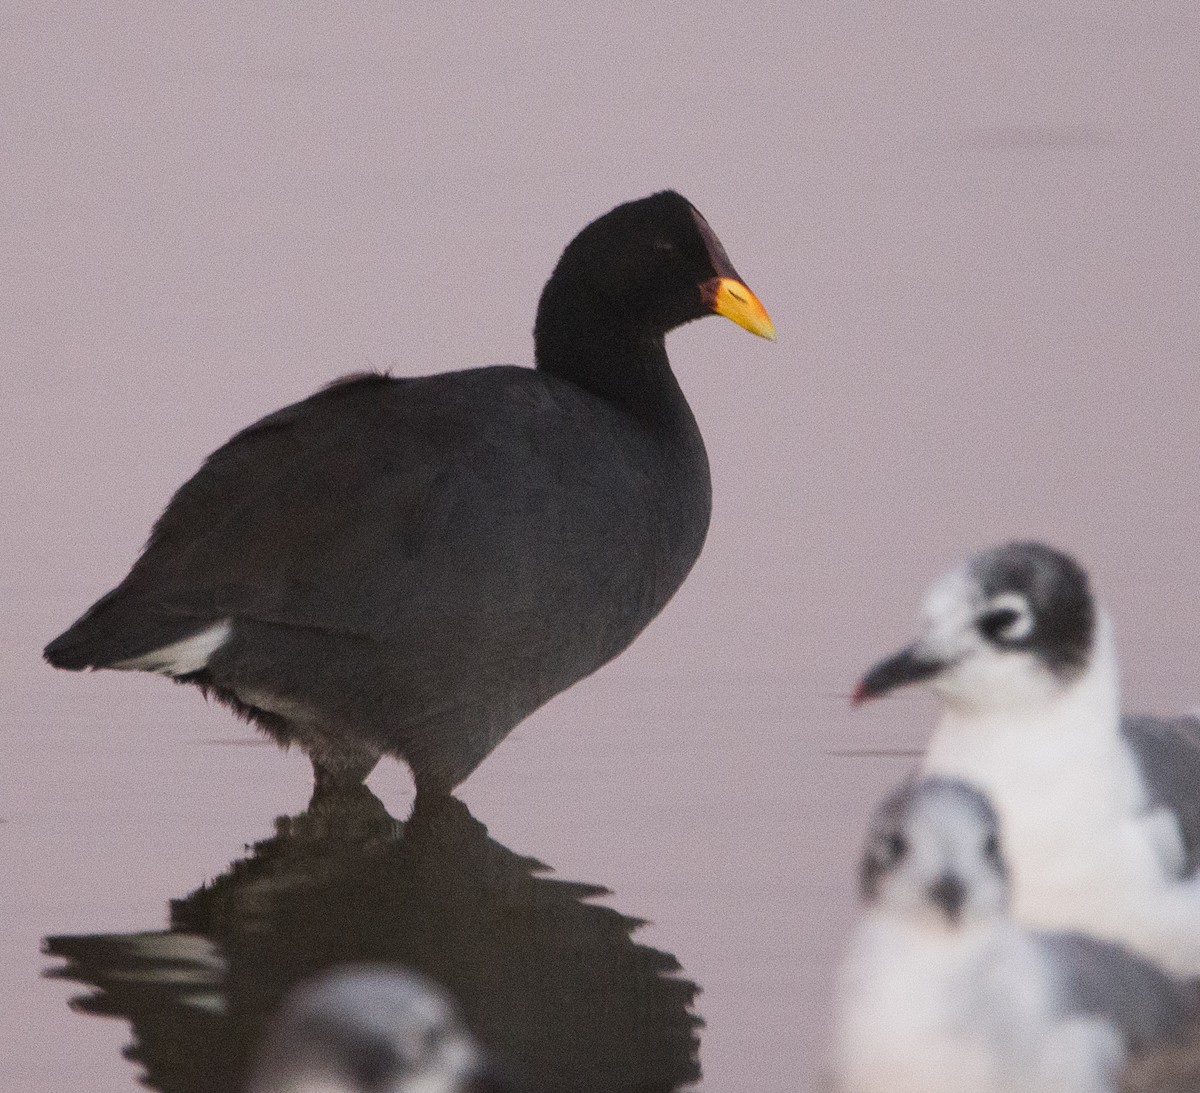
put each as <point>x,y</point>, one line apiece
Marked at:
<point>910,665</point>
<point>949,893</point>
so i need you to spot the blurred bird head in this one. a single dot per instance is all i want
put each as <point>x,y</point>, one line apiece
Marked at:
<point>371,1029</point>
<point>933,857</point>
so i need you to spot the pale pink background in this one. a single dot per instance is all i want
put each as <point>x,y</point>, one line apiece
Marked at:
<point>977,234</point>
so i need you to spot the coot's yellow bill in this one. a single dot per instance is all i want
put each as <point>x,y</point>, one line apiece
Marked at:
<point>736,302</point>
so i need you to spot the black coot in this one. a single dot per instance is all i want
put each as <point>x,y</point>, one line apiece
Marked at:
<point>412,566</point>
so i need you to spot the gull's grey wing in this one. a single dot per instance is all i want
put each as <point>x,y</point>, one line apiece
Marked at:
<point>1168,753</point>
<point>1101,979</point>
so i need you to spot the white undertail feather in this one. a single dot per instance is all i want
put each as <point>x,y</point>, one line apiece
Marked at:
<point>1084,852</point>
<point>183,657</point>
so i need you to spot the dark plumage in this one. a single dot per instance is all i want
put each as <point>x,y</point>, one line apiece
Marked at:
<point>412,566</point>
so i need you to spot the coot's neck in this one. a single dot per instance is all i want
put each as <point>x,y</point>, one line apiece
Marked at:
<point>578,337</point>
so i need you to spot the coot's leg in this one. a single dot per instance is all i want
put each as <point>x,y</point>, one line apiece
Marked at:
<point>340,767</point>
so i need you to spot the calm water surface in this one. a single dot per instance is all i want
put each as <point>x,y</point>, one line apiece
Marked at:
<point>977,236</point>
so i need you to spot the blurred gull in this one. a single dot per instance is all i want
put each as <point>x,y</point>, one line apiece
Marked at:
<point>1101,813</point>
<point>371,1029</point>
<point>942,992</point>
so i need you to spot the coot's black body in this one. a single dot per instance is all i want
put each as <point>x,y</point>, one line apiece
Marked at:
<point>412,566</point>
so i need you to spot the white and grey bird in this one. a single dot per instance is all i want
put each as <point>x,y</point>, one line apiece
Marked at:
<point>943,992</point>
<point>1101,813</point>
<point>371,1029</point>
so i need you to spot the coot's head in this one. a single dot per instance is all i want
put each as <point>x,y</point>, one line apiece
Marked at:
<point>1011,628</point>
<point>650,265</point>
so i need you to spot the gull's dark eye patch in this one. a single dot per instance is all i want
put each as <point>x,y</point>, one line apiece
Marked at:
<point>991,847</point>
<point>993,624</point>
<point>884,852</point>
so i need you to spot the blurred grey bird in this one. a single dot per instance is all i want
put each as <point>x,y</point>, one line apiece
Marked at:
<point>371,1029</point>
<point>942,992</point>
<point>1101,814</point>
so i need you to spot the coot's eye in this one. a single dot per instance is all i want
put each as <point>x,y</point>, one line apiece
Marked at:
<point>664,245</point>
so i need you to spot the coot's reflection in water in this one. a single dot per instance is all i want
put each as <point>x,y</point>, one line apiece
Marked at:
<point>548,980</point>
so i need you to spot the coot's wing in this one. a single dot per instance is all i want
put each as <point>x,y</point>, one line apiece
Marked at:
<point>380,505</point>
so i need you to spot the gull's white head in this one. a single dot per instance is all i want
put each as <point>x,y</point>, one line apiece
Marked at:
<point>1013,627</point>
<point>933,857</point>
